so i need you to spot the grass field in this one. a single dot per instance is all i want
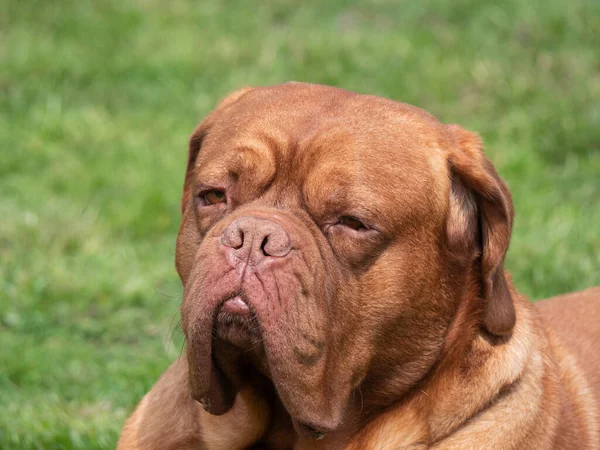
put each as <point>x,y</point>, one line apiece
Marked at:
<point>97,100</point>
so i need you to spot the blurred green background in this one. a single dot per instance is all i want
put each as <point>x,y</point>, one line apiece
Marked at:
<point>97,100</point>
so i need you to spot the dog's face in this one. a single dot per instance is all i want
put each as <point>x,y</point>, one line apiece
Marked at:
<point>325,242</point>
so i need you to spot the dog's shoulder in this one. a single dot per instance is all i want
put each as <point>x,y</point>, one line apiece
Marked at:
<point>574,319</point>
<point>167,406</point>
<point>570,322</point>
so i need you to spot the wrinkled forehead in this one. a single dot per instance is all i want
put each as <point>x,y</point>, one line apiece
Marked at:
<point>317,137</point>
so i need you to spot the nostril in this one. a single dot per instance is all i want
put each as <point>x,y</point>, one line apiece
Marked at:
<point>263,246</point>
<point>276,243</point>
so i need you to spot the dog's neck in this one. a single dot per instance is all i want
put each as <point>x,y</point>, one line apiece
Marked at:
<point>435,413</point>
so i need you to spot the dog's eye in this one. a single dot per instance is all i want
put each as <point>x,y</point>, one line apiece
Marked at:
<point>213,197</point>
<point>352,222</point>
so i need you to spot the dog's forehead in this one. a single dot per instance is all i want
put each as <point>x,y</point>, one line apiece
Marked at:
<point>295,121</point>
<point>309,132</point>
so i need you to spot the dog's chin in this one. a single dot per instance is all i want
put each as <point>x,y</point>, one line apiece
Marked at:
<point>241,332</point>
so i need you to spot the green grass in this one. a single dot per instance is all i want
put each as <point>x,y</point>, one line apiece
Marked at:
<point>97,100</point>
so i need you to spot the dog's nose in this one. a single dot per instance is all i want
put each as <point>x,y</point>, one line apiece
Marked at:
<point>253,239</point>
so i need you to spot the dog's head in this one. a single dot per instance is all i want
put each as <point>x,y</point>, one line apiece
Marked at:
<point>327,240</point>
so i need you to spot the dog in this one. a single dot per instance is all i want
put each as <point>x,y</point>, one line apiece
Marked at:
<point>342,258</point>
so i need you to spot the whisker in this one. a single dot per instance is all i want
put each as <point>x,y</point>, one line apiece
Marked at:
<point>362,403</point>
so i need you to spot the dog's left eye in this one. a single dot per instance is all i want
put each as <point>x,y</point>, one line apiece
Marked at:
<point>352,222</point>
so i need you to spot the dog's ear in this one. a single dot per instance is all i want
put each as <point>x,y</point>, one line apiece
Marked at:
<point>480,223</point>
<point>198,136</point>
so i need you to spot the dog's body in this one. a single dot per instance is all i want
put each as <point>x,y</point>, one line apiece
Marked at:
<point>342,261</point>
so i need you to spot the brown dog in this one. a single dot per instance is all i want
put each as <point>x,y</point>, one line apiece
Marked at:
<point>342,262</point>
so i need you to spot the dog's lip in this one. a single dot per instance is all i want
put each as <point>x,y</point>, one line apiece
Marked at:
<point>237,306</point>
<point>235,322</point>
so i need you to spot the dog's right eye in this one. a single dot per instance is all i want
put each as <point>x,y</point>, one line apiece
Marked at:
<point>212,197</point>
<point>352,222</point>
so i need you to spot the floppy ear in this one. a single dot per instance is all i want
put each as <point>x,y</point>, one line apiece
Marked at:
<point>480,223</point>
<point>198,136</point>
